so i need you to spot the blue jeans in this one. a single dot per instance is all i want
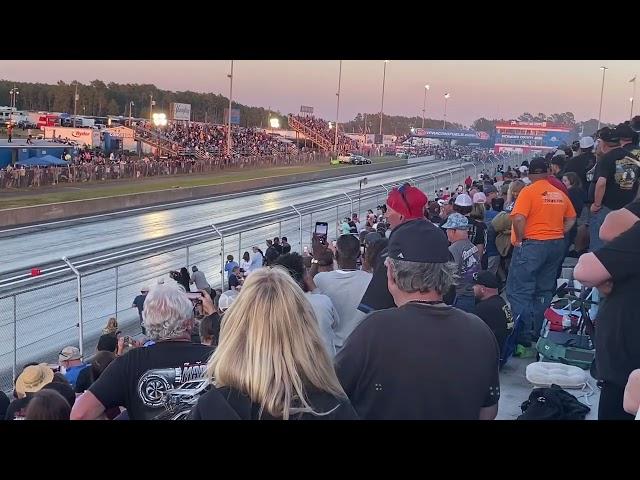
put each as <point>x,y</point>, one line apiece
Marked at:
<point>468,304</point>
<point>532,282</point>
<point>595,222</point>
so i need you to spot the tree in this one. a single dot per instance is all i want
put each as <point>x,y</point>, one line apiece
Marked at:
<point>483,125</point>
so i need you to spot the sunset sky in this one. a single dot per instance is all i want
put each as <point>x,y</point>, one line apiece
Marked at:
<point>503,88</point>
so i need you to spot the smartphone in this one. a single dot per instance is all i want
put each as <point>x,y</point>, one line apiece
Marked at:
<point>321,231</point>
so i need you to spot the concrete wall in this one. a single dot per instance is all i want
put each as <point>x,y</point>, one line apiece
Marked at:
<point>58,211</point>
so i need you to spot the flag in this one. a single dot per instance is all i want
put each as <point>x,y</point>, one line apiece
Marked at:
<point>633,79</point>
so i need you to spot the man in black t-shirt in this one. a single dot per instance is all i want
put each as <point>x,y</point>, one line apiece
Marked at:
<point>270,254</point>
<point>615,271</point>
<point>424,360</point>
<point>491,307</point>
<point>286,248</point>
<point>582,163</point>
<point>404,204</point>
<point>140,379</point>
<point>234,280</point>
<point>138,303</point>
<point>616,180</point>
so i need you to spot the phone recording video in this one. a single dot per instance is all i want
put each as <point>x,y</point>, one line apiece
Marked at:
<point>321,231</point>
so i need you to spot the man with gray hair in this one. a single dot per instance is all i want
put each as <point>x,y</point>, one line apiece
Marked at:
<point>424,360</point>
<point>139,379</point>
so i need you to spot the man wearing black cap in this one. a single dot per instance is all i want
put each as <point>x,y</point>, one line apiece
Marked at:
<point>616,179</point>
<point>541,217</point>
<point>491,307</point>
<point>424,360</point>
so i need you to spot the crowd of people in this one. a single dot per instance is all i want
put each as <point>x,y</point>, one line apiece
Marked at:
<point>406,315</point>
<point>210,139</point>
<point>322,128</point>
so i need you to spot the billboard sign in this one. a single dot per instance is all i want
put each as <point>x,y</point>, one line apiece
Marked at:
<point>451,134</point>
<point>79,135</point>
<point>305,109</point>
<point>180,111</point>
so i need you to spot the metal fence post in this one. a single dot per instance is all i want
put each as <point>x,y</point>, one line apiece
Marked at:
<point>300,228</point>
<point>351,201</point>
<point>221,253</point>
<point>80,319</point>
<point>15,339</point>
<point>117,291</point>
<point>385,188</point>
<point>187,255</point>
<point>337,219</point>
<point>239,246</point>
<point>435,181</point>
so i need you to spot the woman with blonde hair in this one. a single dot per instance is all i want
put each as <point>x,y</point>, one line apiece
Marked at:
<point>111,328</point>
<point>270,362</point>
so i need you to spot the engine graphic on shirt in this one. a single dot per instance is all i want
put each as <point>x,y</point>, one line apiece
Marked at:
<point>154,384</point>
<point>626,172</point>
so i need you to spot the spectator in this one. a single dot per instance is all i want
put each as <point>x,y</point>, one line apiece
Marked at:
<point>490,192</point>
<point>292,378</point>
<point>541,217</point>
<point>477,226</point>
<point>135,380</point>
<point>576,195</point>
<point>257,260</point>
<point>271,254</point>
<point>71,360</point>
<point>277,246</point>
<point>63,387</point>
<point>492,253</point>
<point>210,329</point>
<point>491,307</point>
<point>583,162</point>
<point>356,221</point>
<point>372,257</point>
<point>4,404</point>
<point>286,248</point>
<point>345,228</point>
<point>434,213</point>
<point>619,221</point>
<point>138,303</point>
<point>48,405</point>
<point>557,163</point>
<point>613,269</point>
<point>423,360</point>
<point>112,326</point>
<point>616,179</point>
<point>466,258</point>
<point>229,265</point>
<point>404,204</point>
<point>344,286</point>
<point>245,263</point>
<point>185,279</point>
<point>32,379</point>
<point>235,282</point>
<point>106,343</point>
<point>200,280</point>
<point>326,314</point>
<point>226,299</point>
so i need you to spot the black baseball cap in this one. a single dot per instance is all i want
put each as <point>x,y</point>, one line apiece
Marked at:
<point>486,279</point>
<point>624,130</point>
<point>419,241</point>
<point>609,135</point>
<point>538,165</point>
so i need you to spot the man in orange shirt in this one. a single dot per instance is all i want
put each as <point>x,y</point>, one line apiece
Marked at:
<point>541,216</point>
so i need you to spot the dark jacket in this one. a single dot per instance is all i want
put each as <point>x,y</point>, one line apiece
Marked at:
<point>228,404</point>
<point>270,255</point>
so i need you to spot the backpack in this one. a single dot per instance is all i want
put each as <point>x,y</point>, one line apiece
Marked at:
<point>552,403</point>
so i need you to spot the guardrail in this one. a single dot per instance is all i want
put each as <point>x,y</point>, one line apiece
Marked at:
<point>39,315</point>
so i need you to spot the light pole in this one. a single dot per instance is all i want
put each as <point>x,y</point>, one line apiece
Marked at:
<point>424,103</point>
<point>229,118</point>
<point>151,104</point>
<point>131,104</point>
<point>13,92</point>
<point>446,97</point>
<point>335,145</point>
<point>604,70</point>
<point>384,78</point>
<point>75,105</point>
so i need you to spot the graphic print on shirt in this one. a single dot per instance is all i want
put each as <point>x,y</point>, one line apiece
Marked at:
<point>626,173</point>
<point>469,264</point>
<point>552,198</point>
<point>154,384</point>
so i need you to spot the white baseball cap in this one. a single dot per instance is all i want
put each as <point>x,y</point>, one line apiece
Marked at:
<point>464,200</point>
<point>586,142</point>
